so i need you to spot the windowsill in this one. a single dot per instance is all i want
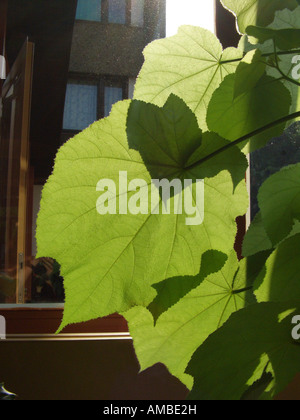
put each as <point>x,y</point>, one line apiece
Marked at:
<point>4,306</point>
<point>39,320</point>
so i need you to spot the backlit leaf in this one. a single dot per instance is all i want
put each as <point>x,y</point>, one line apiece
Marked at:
<point>183,327</point>
<point>110,261</point>
<point>191,65</point>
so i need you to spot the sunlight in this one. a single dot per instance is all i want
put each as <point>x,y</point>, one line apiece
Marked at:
<point>190,12</point>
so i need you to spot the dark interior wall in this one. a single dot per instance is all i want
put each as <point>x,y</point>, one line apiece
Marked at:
<point>83,370</point>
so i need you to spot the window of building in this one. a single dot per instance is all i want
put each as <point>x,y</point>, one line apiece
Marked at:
<point>112,11</point>
<point>117,11</point>
<point>89,10</point>
<point>89,100</point>
<point>112,94</point>
<point>80,105</point>
<point>137,12</point>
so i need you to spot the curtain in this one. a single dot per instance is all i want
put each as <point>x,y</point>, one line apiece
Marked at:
<point>111,96</point>
<point>80,106</point>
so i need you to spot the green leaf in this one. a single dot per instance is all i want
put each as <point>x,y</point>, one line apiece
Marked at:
<point>110,261</point>
<point>191,65</point>
<point>279,202</point>
<point>284,19</point>
<point>253,337</point>
<point>280,282</point>
<point>182,328</point>
<point>165,137</point>
<point>256,12</point>
<point>233,118</point>
<point>170,291</point>
<point>173,146</point>
<point>284,30</point>
<point>285,39</point>
<point>249,72</point>
<point>256,238</point>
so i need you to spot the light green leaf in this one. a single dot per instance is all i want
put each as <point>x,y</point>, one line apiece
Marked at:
<point>191,65</point>
<point>256,12</point>
<point>182,328</point>
<point>279,202</point>
<point>280,281</point>
<point>110,261</point>
<point>256,335</point>
<point>233,118</point>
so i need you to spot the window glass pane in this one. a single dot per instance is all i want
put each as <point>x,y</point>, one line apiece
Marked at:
<point>280,152</point>
<point>137,13</point>
<point>117,11</point>
<point>111,96</point>
<point>75,57</point>
<point>89,10</point>
<point>80,106</point>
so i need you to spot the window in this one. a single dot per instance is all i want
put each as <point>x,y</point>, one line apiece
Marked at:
<point>87,101</point>
<point>112,11</point>
<point>137,12</point>
<point>74,85</point>
<point>80,106</point>
<point>117,11</point>
<point>112,94</point>
<point>89,10</point>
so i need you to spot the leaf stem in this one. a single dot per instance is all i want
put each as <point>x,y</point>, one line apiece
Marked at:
<point>244,138</point>
<point>289,52</point>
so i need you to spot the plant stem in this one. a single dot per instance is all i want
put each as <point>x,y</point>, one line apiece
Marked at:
<point>244,138</point>
<point>290,52</point>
